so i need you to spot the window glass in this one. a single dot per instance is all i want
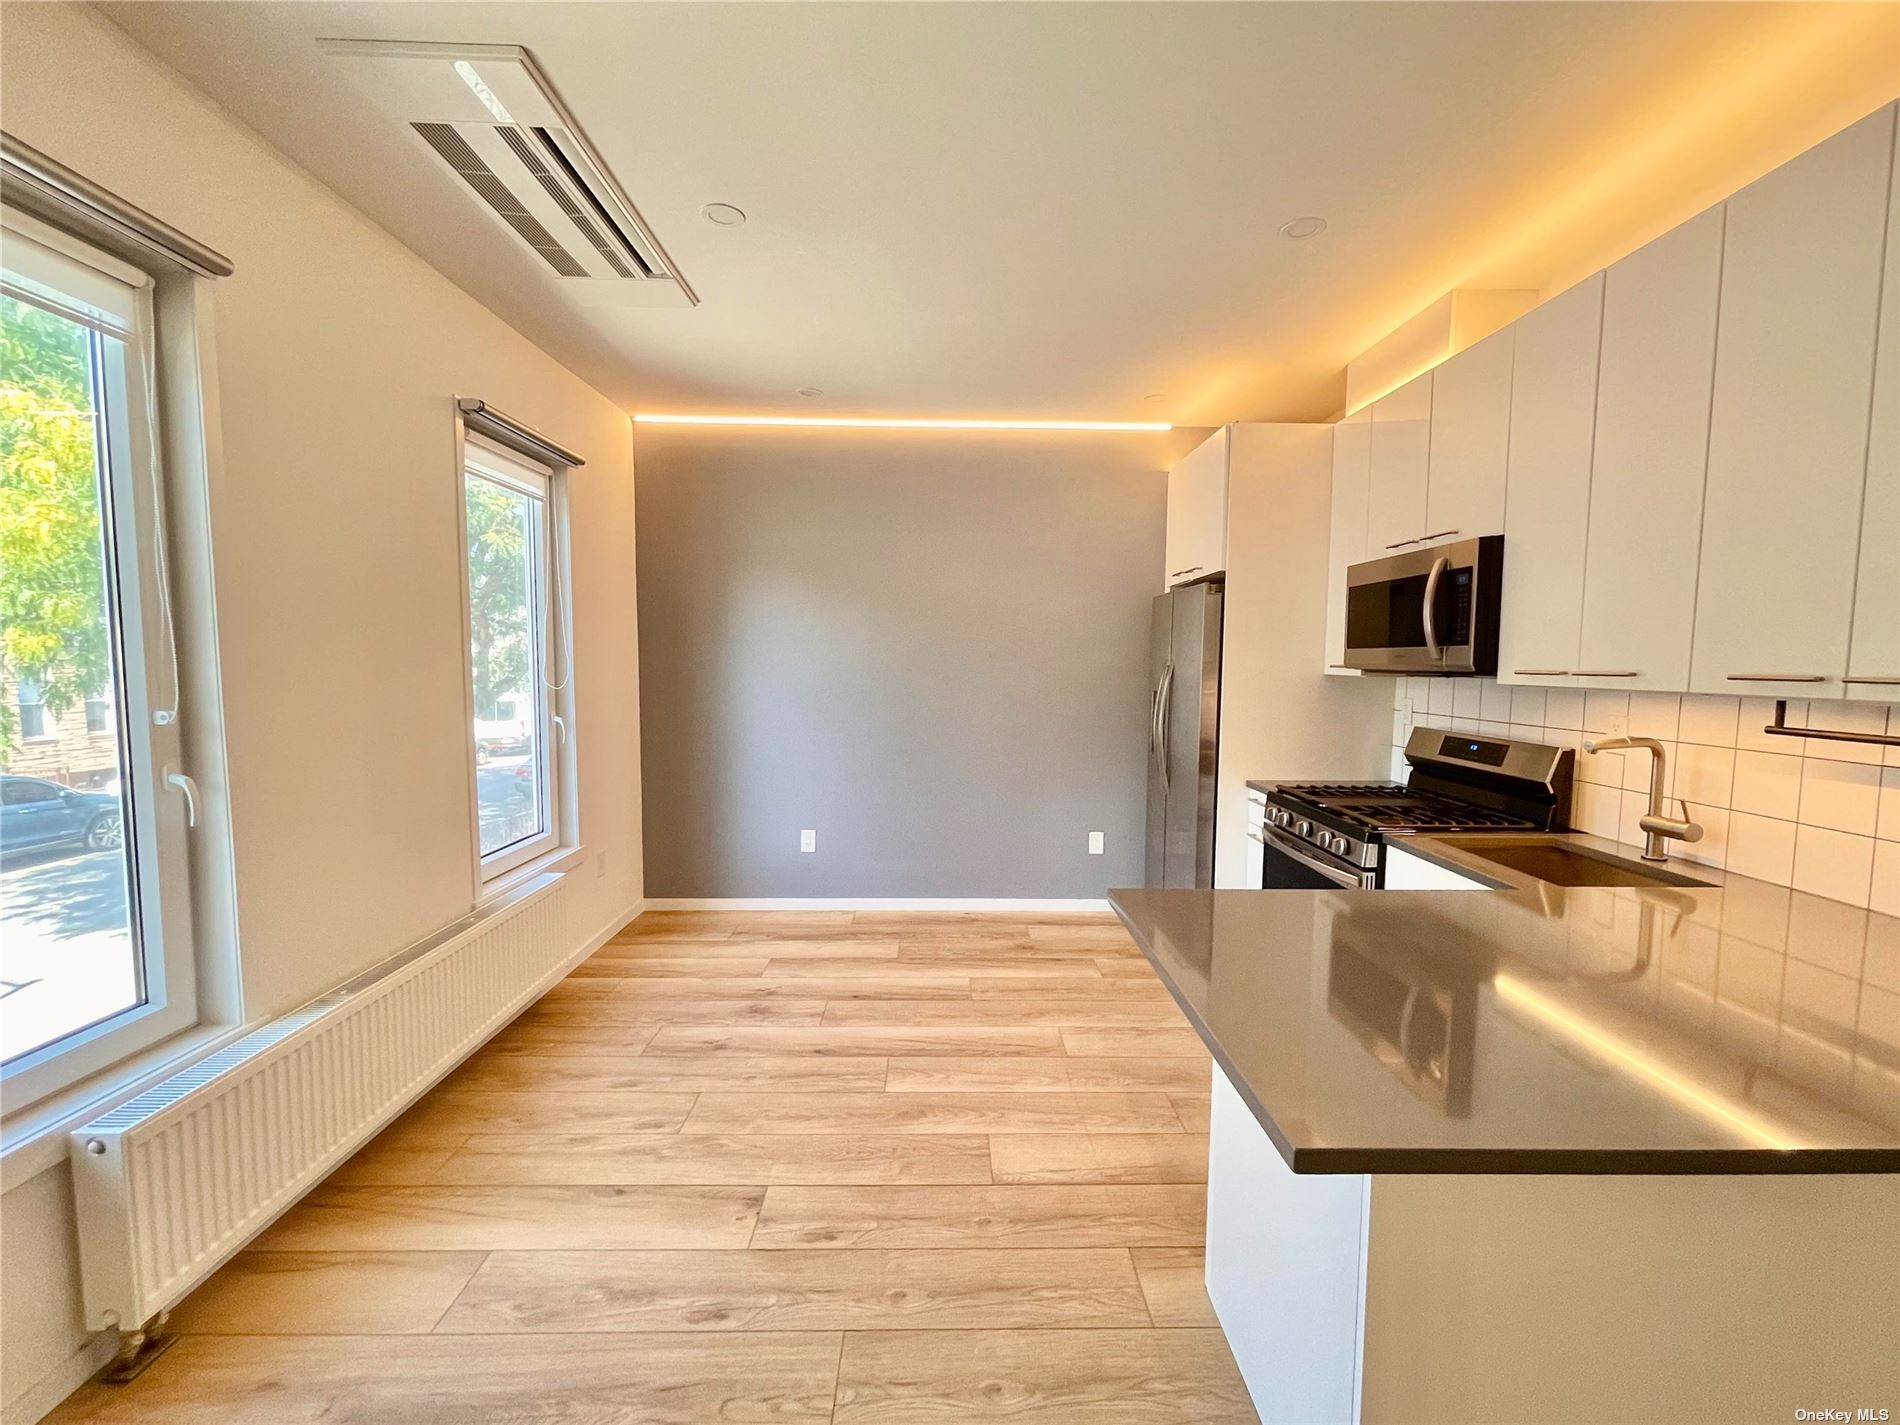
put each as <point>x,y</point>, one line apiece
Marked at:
<point>71,934</point>
<point>506,505</point>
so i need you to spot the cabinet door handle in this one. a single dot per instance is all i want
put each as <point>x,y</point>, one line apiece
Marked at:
<point>1882,682</point>
<point>1403,542</point>
<point>1541,672</point>
<point>1440,535</point>
<point>1194,570</point>
<point>1777,677</point>
<point>1604,673</point>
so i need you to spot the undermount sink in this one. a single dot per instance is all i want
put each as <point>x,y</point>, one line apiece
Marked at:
<point>1564,863</point>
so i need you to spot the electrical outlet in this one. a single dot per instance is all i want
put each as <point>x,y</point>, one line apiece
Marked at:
<point>600,863</point>
<point>1617,725</point>
<point>1096,846</point>
<point>807,841</point>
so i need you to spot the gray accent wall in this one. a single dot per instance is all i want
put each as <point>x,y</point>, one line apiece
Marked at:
<point>929,647</point>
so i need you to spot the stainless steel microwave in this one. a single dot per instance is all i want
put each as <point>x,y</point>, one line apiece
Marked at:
<point>1431,610</point>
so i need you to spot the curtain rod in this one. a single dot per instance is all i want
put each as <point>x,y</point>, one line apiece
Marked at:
<point>516,434</point>
<point>49,189</point>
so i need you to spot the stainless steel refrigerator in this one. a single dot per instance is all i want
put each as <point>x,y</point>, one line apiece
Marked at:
<point>1184,720</point>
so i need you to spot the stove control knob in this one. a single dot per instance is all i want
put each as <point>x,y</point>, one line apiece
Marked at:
<point>1339,844</point>
<point>1303,829</point>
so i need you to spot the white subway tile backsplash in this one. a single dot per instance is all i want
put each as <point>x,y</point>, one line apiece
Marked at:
<point>1791,811</point>
<point>1705,775</point>
<point>1712,849</point>
<point>1604,769</point>
<point>1756,714</point>
<point>1563,707</point>
<point>1597,810</point>
<point>1655,715</point>
<point>1709,721</point>
<point>1767,784</point>
<point>1761,847</point>
<point>1884,895</point>
<point>1887,826</point>
<point>1843,796</point>
<point>1606,713</point>
<point>1834,864</point>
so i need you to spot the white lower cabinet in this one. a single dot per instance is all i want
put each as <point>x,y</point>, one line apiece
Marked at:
<point>1406,872</point>
<point>1547,506</point>
<point>1788,430</point>
<point>1652,440</point>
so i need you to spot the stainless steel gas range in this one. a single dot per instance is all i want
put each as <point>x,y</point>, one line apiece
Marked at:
<point>1318,834</point>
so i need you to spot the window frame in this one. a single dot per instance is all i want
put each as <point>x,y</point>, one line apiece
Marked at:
<point>486,458</point>
<point>56,271</point>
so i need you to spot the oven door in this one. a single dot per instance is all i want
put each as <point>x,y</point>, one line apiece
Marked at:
<point>1289,865</point>
<point>1426,611</point>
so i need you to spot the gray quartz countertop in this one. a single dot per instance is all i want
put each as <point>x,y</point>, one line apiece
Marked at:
<point>1738,1028</point>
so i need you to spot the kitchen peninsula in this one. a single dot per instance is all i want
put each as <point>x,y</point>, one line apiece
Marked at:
<point>1564,1154</point>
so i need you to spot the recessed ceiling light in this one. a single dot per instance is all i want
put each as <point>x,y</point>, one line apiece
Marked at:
<point>808,392</point>
<point>723,215</point>
<point>1303,228</point>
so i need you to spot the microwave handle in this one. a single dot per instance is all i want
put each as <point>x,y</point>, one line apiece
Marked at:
<point>1439,565</point>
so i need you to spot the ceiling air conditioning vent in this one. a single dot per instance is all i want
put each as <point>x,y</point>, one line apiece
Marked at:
<point>492,191</point>
<point>488,114</point>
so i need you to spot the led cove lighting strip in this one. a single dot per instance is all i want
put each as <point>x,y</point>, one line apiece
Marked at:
<point>1508,987</point>
<point>874,423</point>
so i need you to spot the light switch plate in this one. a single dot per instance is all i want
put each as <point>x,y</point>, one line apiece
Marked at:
<point>807,841</point>
<point>1095,843</point>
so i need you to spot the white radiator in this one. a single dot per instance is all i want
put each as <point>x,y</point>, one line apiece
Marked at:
<point>170,1184</point>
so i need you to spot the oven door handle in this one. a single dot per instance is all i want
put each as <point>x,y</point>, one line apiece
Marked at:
<point>1347,879</point>
<point>1439,566</point>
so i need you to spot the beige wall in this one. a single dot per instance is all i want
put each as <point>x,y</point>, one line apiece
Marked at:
<point>334,516</point>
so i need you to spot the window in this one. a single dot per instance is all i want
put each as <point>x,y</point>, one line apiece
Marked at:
<point>32,710</point>
<point>515,650</point>
<point>96,943</point>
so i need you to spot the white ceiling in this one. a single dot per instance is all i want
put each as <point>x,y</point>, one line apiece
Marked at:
<point>1054,210</point>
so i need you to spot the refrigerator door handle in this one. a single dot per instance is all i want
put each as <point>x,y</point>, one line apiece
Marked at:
<point>1164,721</point>
<point>1154,721</point>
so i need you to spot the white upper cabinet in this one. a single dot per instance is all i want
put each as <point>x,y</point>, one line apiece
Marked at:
<point>1197,512</point>
<point>1873,661</point>
<point>1652,445</point>
<point>1352,476</point>
<point>1788,432</point>
<point>1470,436</point>
<point>1401,463</point>
<point>1547,504</point>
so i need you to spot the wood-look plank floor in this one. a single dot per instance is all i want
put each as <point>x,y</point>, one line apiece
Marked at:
<point>823,1167</point>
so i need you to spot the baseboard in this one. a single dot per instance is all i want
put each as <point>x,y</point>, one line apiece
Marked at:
<point>39,1400</point>
<point>923,903</point>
